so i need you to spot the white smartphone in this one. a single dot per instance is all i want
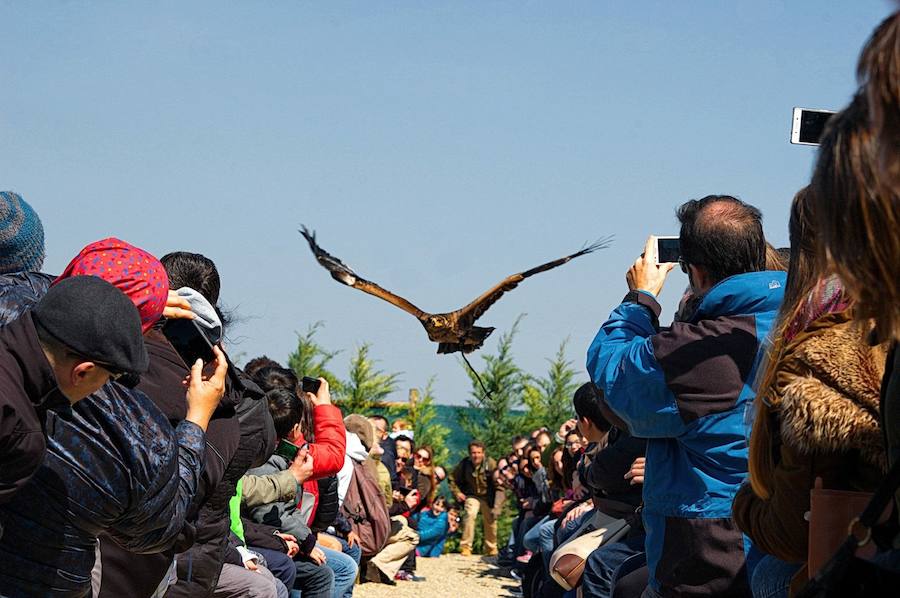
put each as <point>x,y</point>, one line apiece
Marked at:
<point>668,250</point>
<point>808,124</point>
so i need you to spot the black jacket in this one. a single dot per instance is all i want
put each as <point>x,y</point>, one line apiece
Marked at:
<point>113,464</point>
<point>605,475</point>
<point>124,573</point>
<point>24,384</point>
<point>199,567</point>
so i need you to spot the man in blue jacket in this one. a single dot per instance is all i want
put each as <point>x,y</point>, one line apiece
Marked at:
<point>686,389</point>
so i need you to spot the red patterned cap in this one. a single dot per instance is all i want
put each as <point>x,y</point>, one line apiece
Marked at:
<point>130,269</point>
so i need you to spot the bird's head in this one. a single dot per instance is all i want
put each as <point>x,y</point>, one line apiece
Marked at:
<point>439,322</point>
<point>343,277</point>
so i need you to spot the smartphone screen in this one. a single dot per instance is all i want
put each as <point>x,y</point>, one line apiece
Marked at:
<point>189,340</point>
<point>668,250</point>
<point>808,125</point>
<point>286,449</point>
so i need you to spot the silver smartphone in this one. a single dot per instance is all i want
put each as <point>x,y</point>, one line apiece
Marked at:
<point>668,250</point>
<point>807,125</point>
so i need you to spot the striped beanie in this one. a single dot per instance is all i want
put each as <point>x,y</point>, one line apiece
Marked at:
<point>21,235</point>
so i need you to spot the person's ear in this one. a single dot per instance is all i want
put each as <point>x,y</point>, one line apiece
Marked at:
<point>84,374</point>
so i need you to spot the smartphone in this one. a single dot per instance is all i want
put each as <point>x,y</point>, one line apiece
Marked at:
<point>668,250</point>
<point>189,340</point>
<point>807,125</point>
<point>308,384</point>
<point>288,450</point>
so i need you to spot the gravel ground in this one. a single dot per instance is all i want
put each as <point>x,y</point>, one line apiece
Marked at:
<point>450,576</point>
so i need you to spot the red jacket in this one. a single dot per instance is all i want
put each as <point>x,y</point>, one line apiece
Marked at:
<point>328,450</point>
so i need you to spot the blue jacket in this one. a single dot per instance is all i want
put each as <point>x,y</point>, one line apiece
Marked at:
<point>432,528</point>
<point>686,390</point>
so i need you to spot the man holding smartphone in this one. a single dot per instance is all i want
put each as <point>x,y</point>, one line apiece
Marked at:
<point>685,390</point>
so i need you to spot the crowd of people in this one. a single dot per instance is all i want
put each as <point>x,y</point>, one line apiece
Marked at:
<point>715,456</point>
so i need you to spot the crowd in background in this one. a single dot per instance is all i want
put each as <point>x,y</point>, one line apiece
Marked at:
<point>717,456</point>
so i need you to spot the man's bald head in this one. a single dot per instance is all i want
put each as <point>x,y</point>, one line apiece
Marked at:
<point>723,235</point>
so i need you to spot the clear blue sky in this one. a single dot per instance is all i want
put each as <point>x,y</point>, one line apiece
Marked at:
<point>435,147</point>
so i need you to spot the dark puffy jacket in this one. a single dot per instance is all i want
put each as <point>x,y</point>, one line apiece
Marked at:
<point>199,567</point>
<point>112,465</point>
<point>124,573</point>
<point>19,291</point>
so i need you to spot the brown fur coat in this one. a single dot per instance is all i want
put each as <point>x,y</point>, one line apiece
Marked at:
<point>826,404</point>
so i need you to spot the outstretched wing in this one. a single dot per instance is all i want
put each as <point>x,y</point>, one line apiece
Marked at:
<point>343,274</point>
<point>476,309</point>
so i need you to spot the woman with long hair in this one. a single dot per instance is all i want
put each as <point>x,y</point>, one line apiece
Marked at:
<point>816,410</point>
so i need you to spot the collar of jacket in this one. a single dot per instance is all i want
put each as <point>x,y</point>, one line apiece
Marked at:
<point>749,293</point>
<point>20,340</point>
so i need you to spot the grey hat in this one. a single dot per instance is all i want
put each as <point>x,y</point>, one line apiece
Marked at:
<point>21,235</point>
<point>95,320</point>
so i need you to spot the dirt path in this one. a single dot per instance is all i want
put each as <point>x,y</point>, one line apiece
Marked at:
<point>450,576</point>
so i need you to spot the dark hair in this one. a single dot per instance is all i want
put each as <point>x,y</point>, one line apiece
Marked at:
<point>723,235</point>
<point>878,71</point>
<point>587,404</point>
<point>517,439</point>
<point>258,363</point>
<point>285,409</point>
<point>477,443</point>
<point>857,219</point>
<point>387,424</point>
<point>198,272</point>
<point>272,377</point>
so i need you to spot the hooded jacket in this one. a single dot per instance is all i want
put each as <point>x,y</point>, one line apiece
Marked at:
<point>826,401</point>
<point>685,390</point>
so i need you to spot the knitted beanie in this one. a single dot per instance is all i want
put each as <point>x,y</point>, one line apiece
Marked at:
<point>21,235</point>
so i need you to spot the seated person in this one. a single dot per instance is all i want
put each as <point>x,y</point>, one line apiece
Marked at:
<point>434,527</point>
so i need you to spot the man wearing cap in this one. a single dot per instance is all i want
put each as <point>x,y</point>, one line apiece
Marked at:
<point>110,464</point>
<point>55,355</point>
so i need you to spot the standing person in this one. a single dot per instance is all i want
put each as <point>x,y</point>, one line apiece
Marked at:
<point>472,484</point>
<point>686,389</point>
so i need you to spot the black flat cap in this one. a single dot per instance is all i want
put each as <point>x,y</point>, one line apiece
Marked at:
<point>95,320</point>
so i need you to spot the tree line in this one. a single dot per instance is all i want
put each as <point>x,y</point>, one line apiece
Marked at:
<point>504,399</point>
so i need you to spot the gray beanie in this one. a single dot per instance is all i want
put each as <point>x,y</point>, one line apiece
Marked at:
<point>21,235</point>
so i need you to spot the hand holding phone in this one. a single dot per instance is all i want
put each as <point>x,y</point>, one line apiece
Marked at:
<point>645,274</point>
<point>203,395</point>
<point>322,396</point>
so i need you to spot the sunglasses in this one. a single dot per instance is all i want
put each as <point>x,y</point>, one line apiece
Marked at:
<point>424,458</point>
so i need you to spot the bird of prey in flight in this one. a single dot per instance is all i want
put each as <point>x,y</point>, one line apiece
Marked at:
<point>453,331</point>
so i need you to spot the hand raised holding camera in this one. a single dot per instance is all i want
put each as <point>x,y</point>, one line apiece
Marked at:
<point>322,396</point>
<point>645,274</point>
<point>203,395</point>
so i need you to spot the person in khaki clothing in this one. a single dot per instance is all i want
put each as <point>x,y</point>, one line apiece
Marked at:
<point>472,484</point>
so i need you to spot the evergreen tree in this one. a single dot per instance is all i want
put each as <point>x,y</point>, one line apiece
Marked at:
<point>492,420</point>
<point>549,399</point>
<point>421,415</point>
<point>311,359</point>
<point>366,386</point>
